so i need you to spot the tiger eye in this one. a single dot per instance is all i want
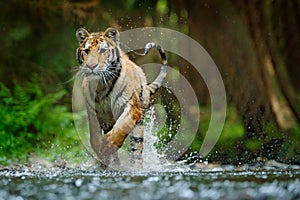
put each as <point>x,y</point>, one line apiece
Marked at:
<point>103,47</point>
<point>86,51</point>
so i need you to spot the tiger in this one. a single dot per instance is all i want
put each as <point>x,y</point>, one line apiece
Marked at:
<point>116,93</point>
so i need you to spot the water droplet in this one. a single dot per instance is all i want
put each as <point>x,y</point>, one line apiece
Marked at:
<point>78,182</point>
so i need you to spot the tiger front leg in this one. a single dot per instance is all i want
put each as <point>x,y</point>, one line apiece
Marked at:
<point>97,142</point>
<point>127,121</point>
<point>95,133</point>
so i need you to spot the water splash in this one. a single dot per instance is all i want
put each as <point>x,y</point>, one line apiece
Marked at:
<point>152,159</point>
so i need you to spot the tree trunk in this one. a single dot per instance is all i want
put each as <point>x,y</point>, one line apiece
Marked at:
<point>240,37</point>
<point>253,12</point>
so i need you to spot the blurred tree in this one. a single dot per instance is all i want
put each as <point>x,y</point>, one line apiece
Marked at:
<point>254,44</point>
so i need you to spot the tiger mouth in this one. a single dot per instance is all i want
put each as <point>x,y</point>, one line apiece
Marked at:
<point>91,71</point>
<point>94,77</point>
<point>91,74</point>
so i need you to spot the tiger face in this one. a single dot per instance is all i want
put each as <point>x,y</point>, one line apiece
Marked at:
<point>98,54</point>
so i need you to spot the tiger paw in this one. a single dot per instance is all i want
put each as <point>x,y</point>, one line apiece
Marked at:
<point>106,151</point>
<point>108,147</point>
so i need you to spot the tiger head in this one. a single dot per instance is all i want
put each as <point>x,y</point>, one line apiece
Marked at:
<point>99,53</point>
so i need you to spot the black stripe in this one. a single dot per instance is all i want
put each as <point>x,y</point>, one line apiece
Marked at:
<point>123,106</point>
<point>90,108</point>
<point>163,55</point>
<point>120,93</point>
<point>79,59</point>
<point>118,67</point>
<point>136,139</point>
<point>113,53</point>
<point>140,122</point>
<point>112,86</point>
<point>118,54</point>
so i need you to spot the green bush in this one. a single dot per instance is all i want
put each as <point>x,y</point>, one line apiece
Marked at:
<point>31,120</point>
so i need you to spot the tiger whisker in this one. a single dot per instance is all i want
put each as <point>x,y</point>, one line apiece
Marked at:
<point>104,79</point>
<point>113,74</point>
<point>75,70</point>
<point>82,75</point>
<point>68,81</point>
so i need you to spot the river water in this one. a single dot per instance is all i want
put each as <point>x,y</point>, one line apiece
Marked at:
<point>160,179</point>
<point>77,183</point>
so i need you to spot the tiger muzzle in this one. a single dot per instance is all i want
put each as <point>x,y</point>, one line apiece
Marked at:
<point>91,66</point>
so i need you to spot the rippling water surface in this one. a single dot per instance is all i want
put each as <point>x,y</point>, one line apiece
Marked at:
<point>160,180</point>
<point>56,183</point>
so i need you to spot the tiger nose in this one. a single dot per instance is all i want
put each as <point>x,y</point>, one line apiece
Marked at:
<point>92,66</point>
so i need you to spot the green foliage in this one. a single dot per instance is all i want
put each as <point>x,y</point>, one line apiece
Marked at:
<point>290,150</point>
<point>30,120</point>
<point>233,129</point>
<point>232,134</point>
<point>162,6</point>
<point>253,144</point>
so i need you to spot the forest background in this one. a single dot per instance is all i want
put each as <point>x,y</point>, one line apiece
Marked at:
<point>255,44</point>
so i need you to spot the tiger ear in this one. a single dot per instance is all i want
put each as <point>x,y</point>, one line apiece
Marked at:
<point>112,33</point>
<point>81,34</point>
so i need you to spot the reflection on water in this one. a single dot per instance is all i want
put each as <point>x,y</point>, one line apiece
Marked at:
<point>56,183</point>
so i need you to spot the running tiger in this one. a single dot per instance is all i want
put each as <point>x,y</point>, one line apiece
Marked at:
<point>116,93</point>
